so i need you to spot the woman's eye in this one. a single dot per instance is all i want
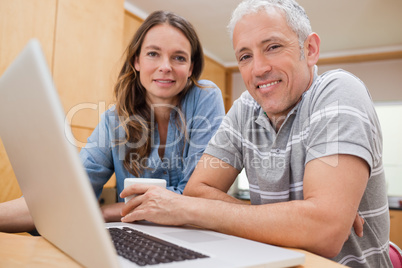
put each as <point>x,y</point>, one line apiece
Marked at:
<point>152,54</point>
<point>180,58</point>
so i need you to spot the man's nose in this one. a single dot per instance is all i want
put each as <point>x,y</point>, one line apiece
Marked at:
<point>261,65</point>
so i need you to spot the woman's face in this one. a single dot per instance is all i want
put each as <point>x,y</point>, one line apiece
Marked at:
<point>164,64</point>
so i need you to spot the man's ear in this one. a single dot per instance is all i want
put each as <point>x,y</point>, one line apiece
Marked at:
<point>312,46</point>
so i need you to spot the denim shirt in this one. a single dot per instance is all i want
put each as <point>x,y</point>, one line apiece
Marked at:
<point>103,155</point>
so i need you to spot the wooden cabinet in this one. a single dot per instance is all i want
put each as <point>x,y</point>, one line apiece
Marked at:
<point>9,188</point>
<point>83,43</point>
<point>88,47</point>
<point>131,24</point>
<point>217,73</point>
<point>20,21</point>
<point>396,227</point>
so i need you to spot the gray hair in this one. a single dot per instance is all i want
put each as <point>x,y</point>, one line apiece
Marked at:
<point>295,16</point>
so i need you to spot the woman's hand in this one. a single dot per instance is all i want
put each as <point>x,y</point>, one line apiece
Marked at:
<point>154,204</point>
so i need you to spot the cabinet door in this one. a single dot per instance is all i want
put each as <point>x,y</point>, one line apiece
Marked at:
<point>396,227</point>
<point>82,41</point>
<point>217,73</point>
<point>20,21</point>
<point>131,25</point>
<point>9,188</point>
<point>88,47</point>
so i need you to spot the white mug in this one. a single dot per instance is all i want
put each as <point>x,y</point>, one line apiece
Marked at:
<point>145,181</point>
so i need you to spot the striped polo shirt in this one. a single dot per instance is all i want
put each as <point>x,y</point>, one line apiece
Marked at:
<point>335,116</point>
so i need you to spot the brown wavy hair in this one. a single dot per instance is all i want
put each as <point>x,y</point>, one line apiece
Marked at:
<point>131,106</point>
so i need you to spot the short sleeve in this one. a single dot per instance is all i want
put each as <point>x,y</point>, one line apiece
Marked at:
<point>343,120</point>
<point>226,144</point>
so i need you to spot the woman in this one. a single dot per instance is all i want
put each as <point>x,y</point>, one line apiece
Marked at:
<point>165,120</point>
<point>162,120</point>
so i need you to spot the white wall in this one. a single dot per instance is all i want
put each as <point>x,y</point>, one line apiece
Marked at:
<point>390,115</point>
<point>384,81</point>
<point>382,78</point>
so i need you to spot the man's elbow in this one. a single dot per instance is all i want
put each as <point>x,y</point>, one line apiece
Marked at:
<point>330,251</point>
<point>187,191</point>
<point>330,244</point>
<point>197,189</point>
<point>191,190</point>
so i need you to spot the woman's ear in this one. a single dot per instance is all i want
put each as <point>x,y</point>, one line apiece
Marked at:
<point>137,64</point>
<point>190,72</point>
<point>313,49</point>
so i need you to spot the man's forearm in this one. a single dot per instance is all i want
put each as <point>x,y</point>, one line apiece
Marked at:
<point>208,192</point>
<point>289,224</point>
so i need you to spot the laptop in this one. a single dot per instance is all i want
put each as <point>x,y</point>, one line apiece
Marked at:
<point>38,141</point>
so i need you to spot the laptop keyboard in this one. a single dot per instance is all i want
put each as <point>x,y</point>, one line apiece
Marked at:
<point>144,249</point>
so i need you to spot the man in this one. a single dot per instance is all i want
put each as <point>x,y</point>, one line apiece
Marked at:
<point>311,147</point>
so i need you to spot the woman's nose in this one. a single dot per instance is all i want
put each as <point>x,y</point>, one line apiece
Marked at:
<point>165,65</point>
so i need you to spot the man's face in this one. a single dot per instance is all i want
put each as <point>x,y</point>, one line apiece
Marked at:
<point>269,59</point>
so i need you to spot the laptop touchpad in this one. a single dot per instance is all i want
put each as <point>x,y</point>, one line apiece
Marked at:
<point>194,237</point>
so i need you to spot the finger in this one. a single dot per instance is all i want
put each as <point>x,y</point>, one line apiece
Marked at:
<point>135,215</point>
<point>134,189</point>
<point>358,225</point>
<point>132,204</point>
<point>138,213</point>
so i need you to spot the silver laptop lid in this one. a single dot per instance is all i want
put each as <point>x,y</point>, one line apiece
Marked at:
<point>46,163</point>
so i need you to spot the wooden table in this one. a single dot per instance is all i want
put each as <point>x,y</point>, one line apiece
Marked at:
<point>35,251</point>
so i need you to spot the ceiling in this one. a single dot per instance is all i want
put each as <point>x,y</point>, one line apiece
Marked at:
<point>345,26</point>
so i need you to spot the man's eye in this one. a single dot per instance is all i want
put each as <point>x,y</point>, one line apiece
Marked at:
<point>273,47</point>
<point>243,58</point>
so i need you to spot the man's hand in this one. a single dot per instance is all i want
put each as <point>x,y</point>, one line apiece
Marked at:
<point>153,204</point>
<point>358,225</point>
